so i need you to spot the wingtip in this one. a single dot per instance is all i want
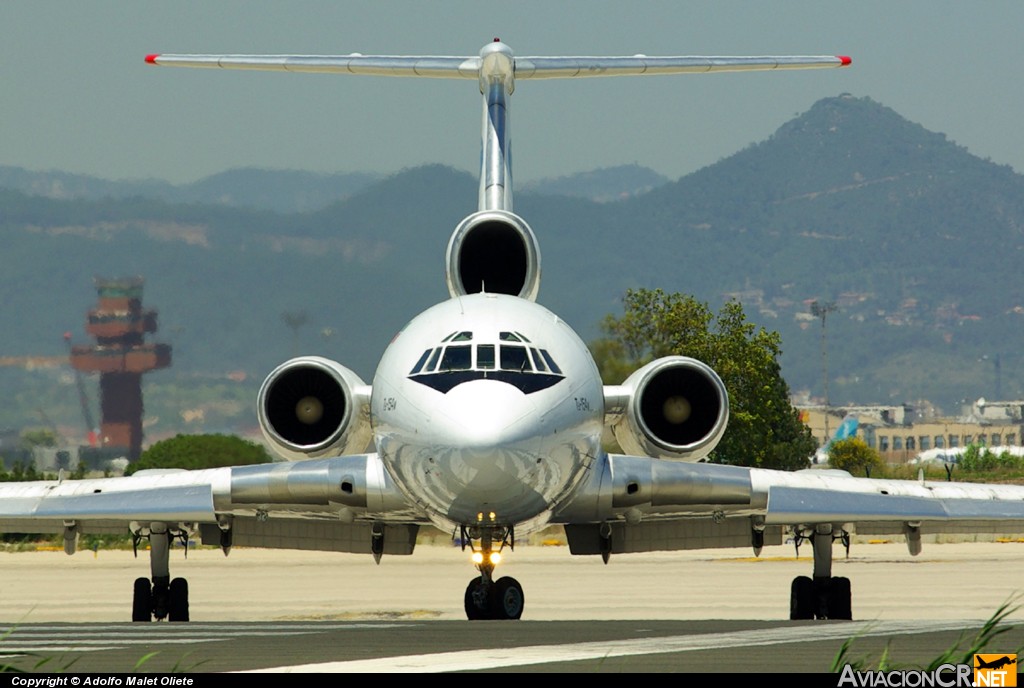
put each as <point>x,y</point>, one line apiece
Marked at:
<point>844,61</point>
<point>151,59</point>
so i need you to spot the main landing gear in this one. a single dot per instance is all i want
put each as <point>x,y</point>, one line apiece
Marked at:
<point>824,596</point>
<point>487,598</point>
<point>162,598</point>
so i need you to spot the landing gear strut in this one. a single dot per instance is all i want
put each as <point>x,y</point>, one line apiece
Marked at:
<point>162,598</point>
<point>485,597</point>
<point>824,596</point>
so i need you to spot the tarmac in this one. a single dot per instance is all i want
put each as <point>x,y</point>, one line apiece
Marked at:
<point>407,612</point>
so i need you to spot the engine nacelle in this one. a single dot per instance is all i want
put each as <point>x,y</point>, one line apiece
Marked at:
<point>310,407</point>
<point>673,408</point>
<point>493,251</point>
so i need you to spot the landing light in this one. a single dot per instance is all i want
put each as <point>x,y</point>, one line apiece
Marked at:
<point>495,558</point>
<point>478,558</point>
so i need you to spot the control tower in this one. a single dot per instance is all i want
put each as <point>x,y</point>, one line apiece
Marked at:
<point>121,356</point>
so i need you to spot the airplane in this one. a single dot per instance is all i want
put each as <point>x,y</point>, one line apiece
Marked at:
<point>952,455</point>
<point>486,414</point>
<point>994,664</point>
<point>846,429</point>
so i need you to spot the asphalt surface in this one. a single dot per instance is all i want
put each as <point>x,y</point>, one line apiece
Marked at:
<point>705,611</point>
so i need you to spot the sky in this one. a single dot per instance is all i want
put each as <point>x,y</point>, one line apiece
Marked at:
<point>77,96</point>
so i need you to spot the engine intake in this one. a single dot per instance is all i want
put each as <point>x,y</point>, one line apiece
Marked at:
<point>673,408</point>
<point>493,251</point>
<point>310,407</point>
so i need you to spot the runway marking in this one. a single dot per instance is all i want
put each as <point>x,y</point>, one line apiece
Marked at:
<point>544,654</point>
<point>19,640</point>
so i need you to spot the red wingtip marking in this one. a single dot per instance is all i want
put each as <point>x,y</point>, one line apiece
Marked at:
<point>151,59</point>
<point>844,60</point>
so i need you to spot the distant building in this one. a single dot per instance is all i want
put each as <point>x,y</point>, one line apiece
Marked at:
<point>900,435</point>
<point>121,356</point>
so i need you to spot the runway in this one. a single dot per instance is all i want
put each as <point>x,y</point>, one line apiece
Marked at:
<point>704,611</point>
<point>447,646</point>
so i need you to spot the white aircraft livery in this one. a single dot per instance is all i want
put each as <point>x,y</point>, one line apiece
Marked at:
<point>486,414</point>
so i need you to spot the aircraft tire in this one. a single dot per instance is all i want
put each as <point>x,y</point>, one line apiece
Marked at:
<point>177,603</point>
<point>142,600</point>
<point>507,599</point>
<point>801,599</point>
<point>476,601</point>
<point>839,598</point>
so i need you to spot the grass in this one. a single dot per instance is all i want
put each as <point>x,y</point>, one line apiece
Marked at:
<point>957,653</point>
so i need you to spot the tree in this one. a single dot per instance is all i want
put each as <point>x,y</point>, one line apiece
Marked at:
<point>37,437</point>
<point>764,428</point>
<point>854,455</point>
<point>200,451</point>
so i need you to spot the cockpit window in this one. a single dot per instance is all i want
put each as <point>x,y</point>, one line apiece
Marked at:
<point>552,366</point>
<point>457,358</point>
<point>419,363</point>
<point>485,357</point>
<point>514,358</point>
<point>461,358</point>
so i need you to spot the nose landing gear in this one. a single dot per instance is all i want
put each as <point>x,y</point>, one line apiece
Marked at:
<point>487,598</point>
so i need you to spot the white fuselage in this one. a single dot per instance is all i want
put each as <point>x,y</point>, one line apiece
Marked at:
<point>487,407</point>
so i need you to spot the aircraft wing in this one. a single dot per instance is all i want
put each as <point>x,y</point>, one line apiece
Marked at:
<point>450,67</point>
<point>262,504</point>
<point>647,504</point>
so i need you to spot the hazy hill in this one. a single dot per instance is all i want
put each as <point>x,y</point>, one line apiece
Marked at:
<point>284,191</point>
<point>914,239</point>
<point>603,185</point>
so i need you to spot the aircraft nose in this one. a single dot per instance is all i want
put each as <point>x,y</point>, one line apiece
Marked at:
<point>484,414</point>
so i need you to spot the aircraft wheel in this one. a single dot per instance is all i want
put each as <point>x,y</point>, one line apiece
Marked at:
<point>801,599</point>
<point>476,601</point>
<point>161,598</point>
<point>507,599</point>
<point>177,603</point>
<point>142,600</point>
<point>839,598</point>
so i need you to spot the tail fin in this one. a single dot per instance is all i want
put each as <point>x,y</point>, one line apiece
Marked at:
<point>846,429</point>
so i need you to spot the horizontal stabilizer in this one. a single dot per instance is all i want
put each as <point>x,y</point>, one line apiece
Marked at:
<point>444,67</point>
<point>374,65</point>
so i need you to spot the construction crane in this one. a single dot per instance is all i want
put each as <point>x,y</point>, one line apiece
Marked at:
<point>92,433</point>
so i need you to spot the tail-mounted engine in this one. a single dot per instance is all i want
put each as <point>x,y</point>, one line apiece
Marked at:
<point>493,251</point>
<point>310,407</point>
<point>673,408</point>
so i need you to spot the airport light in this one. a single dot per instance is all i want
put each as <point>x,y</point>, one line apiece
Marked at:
<point>821,310</point>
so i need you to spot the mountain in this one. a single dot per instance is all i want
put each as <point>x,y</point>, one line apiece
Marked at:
<point>283,191</point>
<point>912,238</point>
<point>603,185</point>
<point>295,191</point>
